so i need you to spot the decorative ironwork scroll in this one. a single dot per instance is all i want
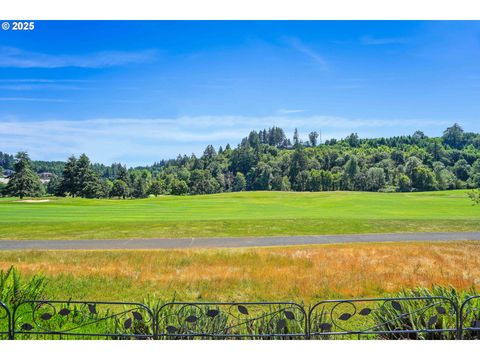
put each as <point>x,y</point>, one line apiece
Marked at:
<point>5,322</point>
<point>86,319</point>
<point>378,318</point>
<point>384,318</point>
<point>470,318</point>
<point>259,320</point>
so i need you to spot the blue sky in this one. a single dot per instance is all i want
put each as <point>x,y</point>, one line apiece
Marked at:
<point>137,92</point>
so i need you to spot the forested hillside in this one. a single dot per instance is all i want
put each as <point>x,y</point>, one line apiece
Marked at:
<point>268,160</point>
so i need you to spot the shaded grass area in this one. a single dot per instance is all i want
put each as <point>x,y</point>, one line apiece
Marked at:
<point>239,214</point>
<point>302,273</point>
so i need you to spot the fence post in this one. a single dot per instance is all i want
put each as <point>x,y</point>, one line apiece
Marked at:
<point>9,320</point>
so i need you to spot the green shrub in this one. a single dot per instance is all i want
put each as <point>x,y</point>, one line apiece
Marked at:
<point>14,289</point>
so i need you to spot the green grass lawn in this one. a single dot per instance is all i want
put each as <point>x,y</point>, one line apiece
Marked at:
<point>239,214</point>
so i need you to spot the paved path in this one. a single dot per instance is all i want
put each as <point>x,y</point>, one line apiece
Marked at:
<point>229,242</point>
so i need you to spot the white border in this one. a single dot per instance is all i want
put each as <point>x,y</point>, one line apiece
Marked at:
<point>239,9</point>
<point>241,350</point>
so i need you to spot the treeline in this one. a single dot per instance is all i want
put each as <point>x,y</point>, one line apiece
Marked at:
<point>268,160</point>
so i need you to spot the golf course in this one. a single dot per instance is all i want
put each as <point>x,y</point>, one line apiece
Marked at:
<point>243,214</point>
<point>303,273</point>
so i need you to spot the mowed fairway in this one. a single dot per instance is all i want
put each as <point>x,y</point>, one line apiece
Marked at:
<point>239,214</point>
<point>303,273</point>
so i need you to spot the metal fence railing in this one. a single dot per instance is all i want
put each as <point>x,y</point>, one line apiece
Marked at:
<point>375,318</point>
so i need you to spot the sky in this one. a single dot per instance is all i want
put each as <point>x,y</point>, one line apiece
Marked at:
<point>137,92</point>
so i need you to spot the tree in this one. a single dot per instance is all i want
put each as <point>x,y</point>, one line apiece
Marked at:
<point>437,150</point>
<point>261,176</point>
<point>423,179</point>
<point>209,153</point>
<point>375,179</point>
<point>54,186</point>
<point>313,138</point>
<point>299,162</point>
<point>404,183</point>
<point>123,175</point>
<point>327,180</point>
<point>139,187</point>
<point>353,140</point>
<point>462,169</point>
<point>445,178</point>
<point>179,187</point>
<point>475,174</point>
<point>119,189</point>
<point>302,181</point>
<point>157,187</point>
<point>316,180</point>
<point>24,181</point>
<point>106,186</point>
<point>202,182</point>
<point>474,195</point>
<point>453,136</point>
<point>91,187</point>
<point>69,183</point>
<point>286,186</point>
<point>81,171</point>
<point>350,172</point>
<point>239,182</point>
<point>86,180</point>
<point>296,138</point>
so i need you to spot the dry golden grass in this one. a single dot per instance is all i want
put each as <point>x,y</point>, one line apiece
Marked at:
<point>301,273</point>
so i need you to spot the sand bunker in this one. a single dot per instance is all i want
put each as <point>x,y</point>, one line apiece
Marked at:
<point>33,201</point>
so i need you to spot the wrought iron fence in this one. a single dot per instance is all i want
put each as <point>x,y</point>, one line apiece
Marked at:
<point>258,320</point>
<point>376,318</point>
<point>385,318</point>
<point>5,322</point>
<point>470,318</point>
<point>50,319</point>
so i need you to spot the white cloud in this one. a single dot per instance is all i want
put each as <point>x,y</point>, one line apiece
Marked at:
<point>19,58</point>
<point>308,51</point>
<point>290,111</point>
<point>143,141</point>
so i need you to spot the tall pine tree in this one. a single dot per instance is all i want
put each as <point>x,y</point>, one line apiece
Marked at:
<point>24,182</point>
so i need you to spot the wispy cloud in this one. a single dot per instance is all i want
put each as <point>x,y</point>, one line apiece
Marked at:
<point>368,40</point>
<point>19,58</point>
<point>290,111</point>
<point>301,47</point>
<point>143,141</point>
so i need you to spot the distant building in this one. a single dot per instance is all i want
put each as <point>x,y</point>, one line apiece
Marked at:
<point>45,175</point>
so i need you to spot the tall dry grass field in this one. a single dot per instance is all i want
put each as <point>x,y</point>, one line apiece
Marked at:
<point>302,273</point>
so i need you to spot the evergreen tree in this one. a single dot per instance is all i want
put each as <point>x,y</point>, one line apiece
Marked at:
<point>24,181</point>
<point>54,186</point>
<point>69,184</point>
<point>91,187</point>
<point>351,171</point>
<point>120,189</point>
<point>296,138</point>
<point>313,137</point>
<point>453,136</point>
